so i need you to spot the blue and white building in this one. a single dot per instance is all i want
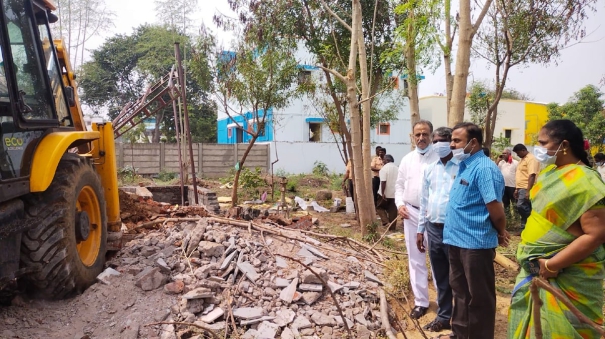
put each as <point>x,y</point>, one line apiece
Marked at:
<point>299,135</point>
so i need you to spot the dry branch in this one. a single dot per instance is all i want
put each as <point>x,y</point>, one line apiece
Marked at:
<point>384,314</point>
<point>150,224</point>
<point>535,297</point>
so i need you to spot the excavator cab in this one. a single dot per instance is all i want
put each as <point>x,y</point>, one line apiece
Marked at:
<point>58,180</point>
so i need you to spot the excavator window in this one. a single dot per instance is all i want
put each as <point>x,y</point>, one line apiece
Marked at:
<point>34,103</point>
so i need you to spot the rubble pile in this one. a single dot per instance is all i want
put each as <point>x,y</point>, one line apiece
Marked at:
<point>224,276</point>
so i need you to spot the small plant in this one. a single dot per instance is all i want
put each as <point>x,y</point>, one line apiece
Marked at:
<point>166,176</point>
<point>397,277</point>
<point>292,184</point>
<point>320,169</point>
<point>281,173</point>
<point>127,174</point>
<point>251,182</point>
<point>372,235</point>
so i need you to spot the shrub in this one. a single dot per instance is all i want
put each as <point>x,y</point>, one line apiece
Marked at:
<point>320,169</point>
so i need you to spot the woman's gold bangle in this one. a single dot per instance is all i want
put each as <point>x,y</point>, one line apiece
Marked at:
<point>548,269</point>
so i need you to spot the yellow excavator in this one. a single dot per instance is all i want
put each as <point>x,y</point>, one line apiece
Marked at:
<point>59,205</point>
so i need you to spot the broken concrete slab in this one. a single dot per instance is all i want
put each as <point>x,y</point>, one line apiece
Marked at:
<point>360,319</point>
<point>106,275</point>
<point>287,294</point>
<point>150,279</point>
<point>284,317</point>
<point>267,330</point>
<point>313,250</point>
<point>163,266</point>
<point>352,285</point>
<point>211,249</point>
<point>305,253</point>
<point>334,287</point>
<point>247,312</point>
<point>228,260</point>
<point>339,321</point>
<point>311,287</point>
<point>307,277</point>
<point>301,322</point>
<point>287,334</point>
<point>174,287</point>
<point>249,270</point>
<point>321,319</point>
<point>213,315</point>
<point>199,293</point>
<point>281,282</point>
<point>310,297</point>
<point>281,262</point>
<point>371,277</point>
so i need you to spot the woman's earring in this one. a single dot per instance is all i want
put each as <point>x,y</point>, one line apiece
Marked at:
<point>565,151</point>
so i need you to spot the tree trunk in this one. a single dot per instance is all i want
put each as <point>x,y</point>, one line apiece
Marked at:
<point>356,145</point>
<point>366,108</point>
<point>463,63</point>
<point>239,170</point>
<point>410,57</point>
<point>447,56</point>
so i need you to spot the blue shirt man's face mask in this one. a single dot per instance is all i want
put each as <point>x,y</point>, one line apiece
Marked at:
<point>460,154</point>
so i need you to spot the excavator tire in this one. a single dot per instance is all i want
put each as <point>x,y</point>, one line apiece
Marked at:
<point>68,254</point>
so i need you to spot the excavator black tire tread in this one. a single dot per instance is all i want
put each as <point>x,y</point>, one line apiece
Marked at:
<point>51,248</point>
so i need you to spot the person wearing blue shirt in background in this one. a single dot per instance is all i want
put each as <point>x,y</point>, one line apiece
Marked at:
<point>438,179</point>
<point>475,225</point>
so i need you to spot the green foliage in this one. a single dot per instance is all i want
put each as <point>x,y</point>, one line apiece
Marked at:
<point>397,278</point>
<point>127,174</point>
<point>372,234</point>
<point>122,68</point>
<point>166,176</point>
<point>251,181</point>
<point>478,102</point>
<point>499,144</point>
<point>585,108</point>
<point>320,169</point>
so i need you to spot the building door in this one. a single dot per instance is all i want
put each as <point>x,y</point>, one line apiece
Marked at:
<point>239,135</point>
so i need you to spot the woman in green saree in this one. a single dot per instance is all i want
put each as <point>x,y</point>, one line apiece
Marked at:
<point>564,235</point>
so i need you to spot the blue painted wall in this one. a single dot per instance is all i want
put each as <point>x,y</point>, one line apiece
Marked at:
<point>223,136</point>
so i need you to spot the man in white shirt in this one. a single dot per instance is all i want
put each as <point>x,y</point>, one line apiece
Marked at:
<point>386,208</point>
<point>508,167</point>
<point>407,198</point>
<point>436,185</point>
<point>599,160</point>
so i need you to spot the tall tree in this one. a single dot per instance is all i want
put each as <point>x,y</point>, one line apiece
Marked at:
<point>176,14</point>
<point>518,33</point>
<point>258,76</point>
<point>587,110</point>
<point>125,65</point>
<point>466,33</point>
<point>79,21</point>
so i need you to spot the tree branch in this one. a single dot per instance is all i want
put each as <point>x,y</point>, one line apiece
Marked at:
<point>334,73</point>
<point>329,10</point>
<point>484,10</point>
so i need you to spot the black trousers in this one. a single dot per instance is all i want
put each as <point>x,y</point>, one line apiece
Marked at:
<point>439,256</point>
<point>375,188</point>
<point>473,283</point>
<point>387,211</point>
<point>508,197</point>
<point>523,206</point>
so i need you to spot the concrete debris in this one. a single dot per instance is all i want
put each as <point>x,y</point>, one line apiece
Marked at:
<point>150,279</point>
<point>287,294</point>
<point>212,316</point>
<point>248,313</point>
<point>213,267</point>
<point>106,275</point>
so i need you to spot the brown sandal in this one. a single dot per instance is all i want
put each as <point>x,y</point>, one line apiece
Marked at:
<point>443,336</point>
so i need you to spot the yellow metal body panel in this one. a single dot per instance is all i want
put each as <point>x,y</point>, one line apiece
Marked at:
<point>49,153</point>
<point>536,116</point>
<point>104,153</point>
<point>69,79</point>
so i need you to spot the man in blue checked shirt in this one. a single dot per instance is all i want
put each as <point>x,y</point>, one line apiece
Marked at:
<point>474,226</point>
<point>438,179</point>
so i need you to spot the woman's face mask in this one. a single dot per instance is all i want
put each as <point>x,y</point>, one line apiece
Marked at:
<point>541,154</point>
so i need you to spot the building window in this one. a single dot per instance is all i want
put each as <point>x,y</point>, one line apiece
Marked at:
<point>384,128</point>
<point>229,132</point>
<point>314,132</point>
<point>304,77</point>
<point>508,133</point>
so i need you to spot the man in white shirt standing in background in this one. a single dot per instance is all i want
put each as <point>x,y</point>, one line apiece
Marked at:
<point>407,198</point>
<point>385,207</point>
<point>599,160</point>
<point>508,167</point>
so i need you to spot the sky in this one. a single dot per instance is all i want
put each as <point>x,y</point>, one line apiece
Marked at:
<point>578,65</point>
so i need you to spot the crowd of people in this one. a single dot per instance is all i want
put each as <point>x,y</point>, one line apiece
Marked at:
<point>453,198</point>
